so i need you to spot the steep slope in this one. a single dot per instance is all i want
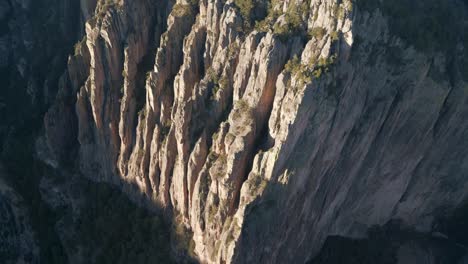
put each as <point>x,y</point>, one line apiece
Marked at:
<point>47,215</point>
<point>35,38</point>
<point>17,241</point>
<point>265,127</point>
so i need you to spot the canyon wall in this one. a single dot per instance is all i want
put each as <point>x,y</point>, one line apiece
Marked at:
<point>265,127</point>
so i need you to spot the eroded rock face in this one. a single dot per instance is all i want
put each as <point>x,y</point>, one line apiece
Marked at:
<point>264,140</point>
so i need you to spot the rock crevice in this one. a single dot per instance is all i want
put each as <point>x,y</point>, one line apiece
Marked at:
<point>318,120</point>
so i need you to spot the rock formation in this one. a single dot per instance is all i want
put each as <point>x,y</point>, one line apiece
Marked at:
<point>264,127</point>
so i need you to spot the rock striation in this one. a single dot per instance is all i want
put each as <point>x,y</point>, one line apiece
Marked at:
<point>265,129</point>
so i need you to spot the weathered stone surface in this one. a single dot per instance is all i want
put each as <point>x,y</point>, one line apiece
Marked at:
<point>264,142</point>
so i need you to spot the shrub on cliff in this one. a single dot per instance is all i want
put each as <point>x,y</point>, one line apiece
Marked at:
<point>292,24</point>
<point>252,11</point>
<point>317,32</point>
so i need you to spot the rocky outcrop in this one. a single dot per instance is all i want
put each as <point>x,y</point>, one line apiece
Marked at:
<point>263,133</point>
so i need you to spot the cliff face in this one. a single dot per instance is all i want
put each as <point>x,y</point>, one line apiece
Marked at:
<point>265,127</point>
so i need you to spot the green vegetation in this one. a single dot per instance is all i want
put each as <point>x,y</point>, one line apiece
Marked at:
<point>293,24</point>
<point>233,50</point>
<point>180,10</point>
<point>212,210</point>
<point>317,32</point>
<point>242,107</point>
<point>252,11</point>
<point>245,8</point>
<point>105,5</point>
<point>334,35</point>
<point>124,74</point>
<point>79,45</point>
<point>272,15</point>
<point>212,75</point>
<point>217,84</point>
<point>216,89</point>
<point>305,73</point>
<point>338,11</point>
<point>140,154</point>
<point>316,15</point>
<point>223,82</point>
<point>258,183</point>
<point>293,65</point>
<point>214,137</point>
<point>218,170</point>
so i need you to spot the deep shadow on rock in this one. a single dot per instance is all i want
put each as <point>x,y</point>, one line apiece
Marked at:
<point>391,244</point>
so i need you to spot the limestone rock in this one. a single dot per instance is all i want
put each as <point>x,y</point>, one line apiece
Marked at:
<point>263,141</point>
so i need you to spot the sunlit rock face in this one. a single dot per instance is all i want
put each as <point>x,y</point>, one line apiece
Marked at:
<point>263,129</point>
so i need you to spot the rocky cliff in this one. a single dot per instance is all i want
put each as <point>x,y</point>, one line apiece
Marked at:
<point>264,127</point>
